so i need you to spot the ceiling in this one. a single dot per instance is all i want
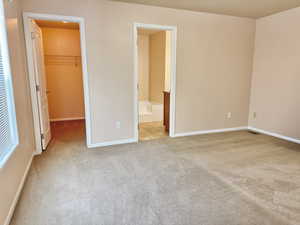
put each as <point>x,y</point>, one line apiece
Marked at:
<point>57,24</point>
<point>243,8</point>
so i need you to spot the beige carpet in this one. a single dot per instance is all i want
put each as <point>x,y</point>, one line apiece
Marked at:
<point>219,179</point>
<point>265,169</point>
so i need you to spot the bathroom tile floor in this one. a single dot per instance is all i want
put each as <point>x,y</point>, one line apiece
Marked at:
<point>152,130</point>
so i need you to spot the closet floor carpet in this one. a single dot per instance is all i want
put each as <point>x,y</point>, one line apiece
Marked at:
<point>235,178</point>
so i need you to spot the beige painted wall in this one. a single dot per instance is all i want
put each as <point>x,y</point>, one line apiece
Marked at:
<point>214,64</point>
<point>168,62</point>
<point>13,171</point>
<point>64,75</point>
<point>154,65</point>
<point>143,66</point>
<point>157,66</point>
<point>276,81</point>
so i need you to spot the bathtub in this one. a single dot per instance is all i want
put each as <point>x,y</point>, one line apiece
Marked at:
<point>150,112</point>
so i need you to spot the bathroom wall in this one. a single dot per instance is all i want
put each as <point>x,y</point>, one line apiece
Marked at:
<point>157,66</point>
<point>168,61</point>
<point>143,66</point>
<point>64,73</point>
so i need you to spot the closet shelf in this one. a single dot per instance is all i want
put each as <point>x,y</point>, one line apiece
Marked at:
<point>62,60</point>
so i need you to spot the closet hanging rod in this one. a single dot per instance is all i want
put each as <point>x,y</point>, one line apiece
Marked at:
<point>63,55</point>
<point>62,60</point>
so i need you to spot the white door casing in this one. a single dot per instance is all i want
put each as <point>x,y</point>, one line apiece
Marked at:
<point>27,19</point>
<point>41,83</point>
<point>173,32</point>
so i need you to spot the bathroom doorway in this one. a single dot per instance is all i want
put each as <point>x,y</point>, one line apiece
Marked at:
<point>154,81</point>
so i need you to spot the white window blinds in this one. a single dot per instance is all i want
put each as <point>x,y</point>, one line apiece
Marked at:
<point>8,129</point>
<point>5,130</point>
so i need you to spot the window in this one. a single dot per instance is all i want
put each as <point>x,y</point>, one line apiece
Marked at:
<point>8,125</point>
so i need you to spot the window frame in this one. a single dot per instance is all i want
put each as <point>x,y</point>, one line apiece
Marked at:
<point>4,49</point>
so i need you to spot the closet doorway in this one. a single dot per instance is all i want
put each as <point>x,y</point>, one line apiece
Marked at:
<point>57,78</point>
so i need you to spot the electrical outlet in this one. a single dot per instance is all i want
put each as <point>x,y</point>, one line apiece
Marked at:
<point>254,115</point>
<point>228,115</point>
<point>118,124</point>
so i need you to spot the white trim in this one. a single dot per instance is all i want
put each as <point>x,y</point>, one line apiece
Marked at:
<point>275,135</point>
<point>173,30</point>
<point>135,85</point>
<point>210,131</point>
<point>109,143</point>
<point>8,155</point>
<point>27,17</point>
<point>18,193</point>
<point>173,82</point>
<point>238,129</point>
<point>67,119</point>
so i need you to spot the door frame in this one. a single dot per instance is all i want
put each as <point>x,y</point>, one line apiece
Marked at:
<point>173,30</point>
<point>27,17</point>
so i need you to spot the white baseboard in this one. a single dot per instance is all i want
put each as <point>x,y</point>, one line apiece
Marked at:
<point>109,143</point>
<point>66,119</point>
<point>210,131</point>
<point>18,193</point>
<point>275,135</point>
